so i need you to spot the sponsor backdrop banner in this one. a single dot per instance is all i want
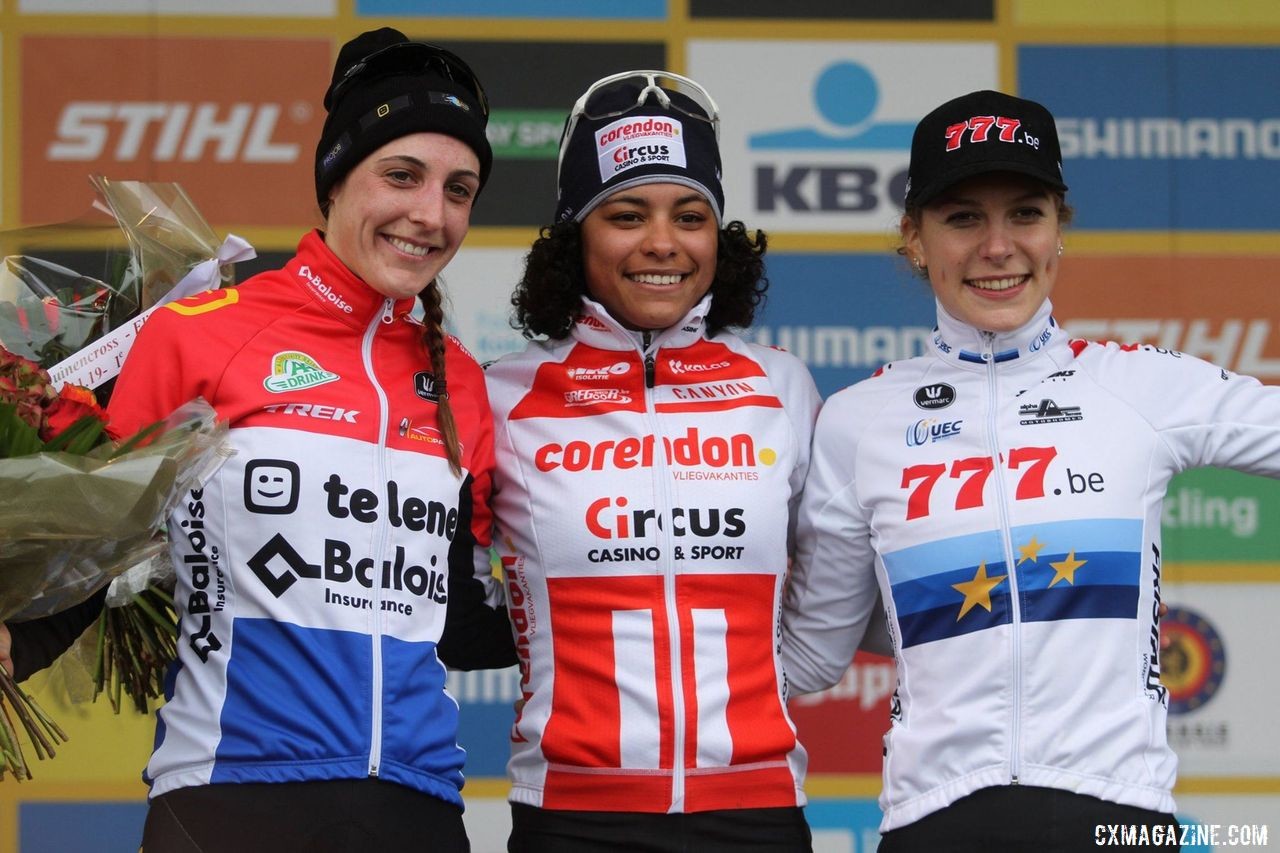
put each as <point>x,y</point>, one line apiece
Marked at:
<point>1170,122</point>
<point>1178,146</point>
<point>241,142</point>
<point>817,138</point>
<point>528,112</point>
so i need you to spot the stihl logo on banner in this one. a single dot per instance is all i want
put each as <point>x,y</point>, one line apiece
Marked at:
<point>1216,307</point>
<point>234,121</point>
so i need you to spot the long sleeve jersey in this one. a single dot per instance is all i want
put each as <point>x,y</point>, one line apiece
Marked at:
<point>317,569</point>
<point>645,494</point>
<point>1004,493</point>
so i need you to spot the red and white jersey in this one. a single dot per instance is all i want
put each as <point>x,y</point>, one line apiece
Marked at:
<point>645,498</point>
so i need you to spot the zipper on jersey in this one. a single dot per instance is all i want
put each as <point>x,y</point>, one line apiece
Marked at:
<point>1006,540</point>
<point>666,542</point>
<point>380,475</point>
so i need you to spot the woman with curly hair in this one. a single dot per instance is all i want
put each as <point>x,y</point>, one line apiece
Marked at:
<point>649,464</point>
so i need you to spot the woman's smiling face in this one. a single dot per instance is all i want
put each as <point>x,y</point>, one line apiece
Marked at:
<point>649,253</point>
<point>991,246</point>
<point>400,215</point>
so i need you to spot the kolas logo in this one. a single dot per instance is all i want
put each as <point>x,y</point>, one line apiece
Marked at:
<point>1194,664</point>
<point>292,370</point>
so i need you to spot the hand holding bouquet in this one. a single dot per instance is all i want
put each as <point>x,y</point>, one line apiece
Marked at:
<point>78,509</point>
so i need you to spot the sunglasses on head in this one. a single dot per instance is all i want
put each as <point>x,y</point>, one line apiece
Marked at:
<point>659,85</point>
<point>409,58</point>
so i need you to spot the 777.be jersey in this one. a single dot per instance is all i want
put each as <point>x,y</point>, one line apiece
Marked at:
<point>644,500</point>
<point>1004,493</point>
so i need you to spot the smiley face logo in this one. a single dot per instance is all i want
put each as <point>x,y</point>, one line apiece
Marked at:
<point>271,486</point>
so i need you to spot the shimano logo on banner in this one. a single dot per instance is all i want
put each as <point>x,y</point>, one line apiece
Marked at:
<point>1170,138</point>
<point>845,346</point>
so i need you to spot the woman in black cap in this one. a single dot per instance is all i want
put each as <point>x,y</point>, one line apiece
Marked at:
<point>328,571</point>
<point>649,465</point>
<point>1003,493</point>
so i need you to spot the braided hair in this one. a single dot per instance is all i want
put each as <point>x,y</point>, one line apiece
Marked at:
<point>433,338</point>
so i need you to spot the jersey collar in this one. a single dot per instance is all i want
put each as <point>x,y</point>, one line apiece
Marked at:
<point>596,327</point>
<point>338,290</point>
<point>962,344</point>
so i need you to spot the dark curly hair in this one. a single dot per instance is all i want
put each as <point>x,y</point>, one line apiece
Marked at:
<point>549,295</point>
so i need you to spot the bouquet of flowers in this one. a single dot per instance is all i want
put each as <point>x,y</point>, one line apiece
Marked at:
<point>78,509</point>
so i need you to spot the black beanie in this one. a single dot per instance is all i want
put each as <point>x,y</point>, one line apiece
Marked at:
<point>377,106</point>
<point>648,144</point>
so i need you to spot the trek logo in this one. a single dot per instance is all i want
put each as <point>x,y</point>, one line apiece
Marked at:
<point>315,410</point>
<point>688,450</point>
<point>292,370</point>
<point>179,132</point>
<point>598,374</point>
<point>937,396</point>
<point>317,283</point>
<point>1048,412</point>
<point>678,367</point>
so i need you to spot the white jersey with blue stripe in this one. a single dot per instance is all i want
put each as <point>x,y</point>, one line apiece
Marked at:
<point>1003,494</point>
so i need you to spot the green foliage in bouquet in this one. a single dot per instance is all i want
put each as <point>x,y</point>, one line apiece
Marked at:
<point>76,510</point>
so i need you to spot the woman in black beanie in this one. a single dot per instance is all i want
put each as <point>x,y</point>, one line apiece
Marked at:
<point>334,564</point>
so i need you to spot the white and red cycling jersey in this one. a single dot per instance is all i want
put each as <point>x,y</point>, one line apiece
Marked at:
<point>1003,494</point>
<point>645,495</point>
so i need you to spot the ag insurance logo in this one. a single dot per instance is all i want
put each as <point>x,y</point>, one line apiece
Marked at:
<point>818,137</point>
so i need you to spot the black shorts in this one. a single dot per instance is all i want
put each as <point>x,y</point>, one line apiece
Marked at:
<point>1022,818</point>
<point>780,830</point>
<point>339,816</point>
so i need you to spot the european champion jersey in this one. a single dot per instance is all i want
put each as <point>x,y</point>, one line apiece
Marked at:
<point>1003,494</point>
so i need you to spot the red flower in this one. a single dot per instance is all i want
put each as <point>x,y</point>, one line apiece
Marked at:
<point>72,404</point>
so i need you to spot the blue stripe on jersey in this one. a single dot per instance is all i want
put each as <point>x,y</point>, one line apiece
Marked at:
<point>939,623</point>
<point>294,695</point>
<point>1083,569</point>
